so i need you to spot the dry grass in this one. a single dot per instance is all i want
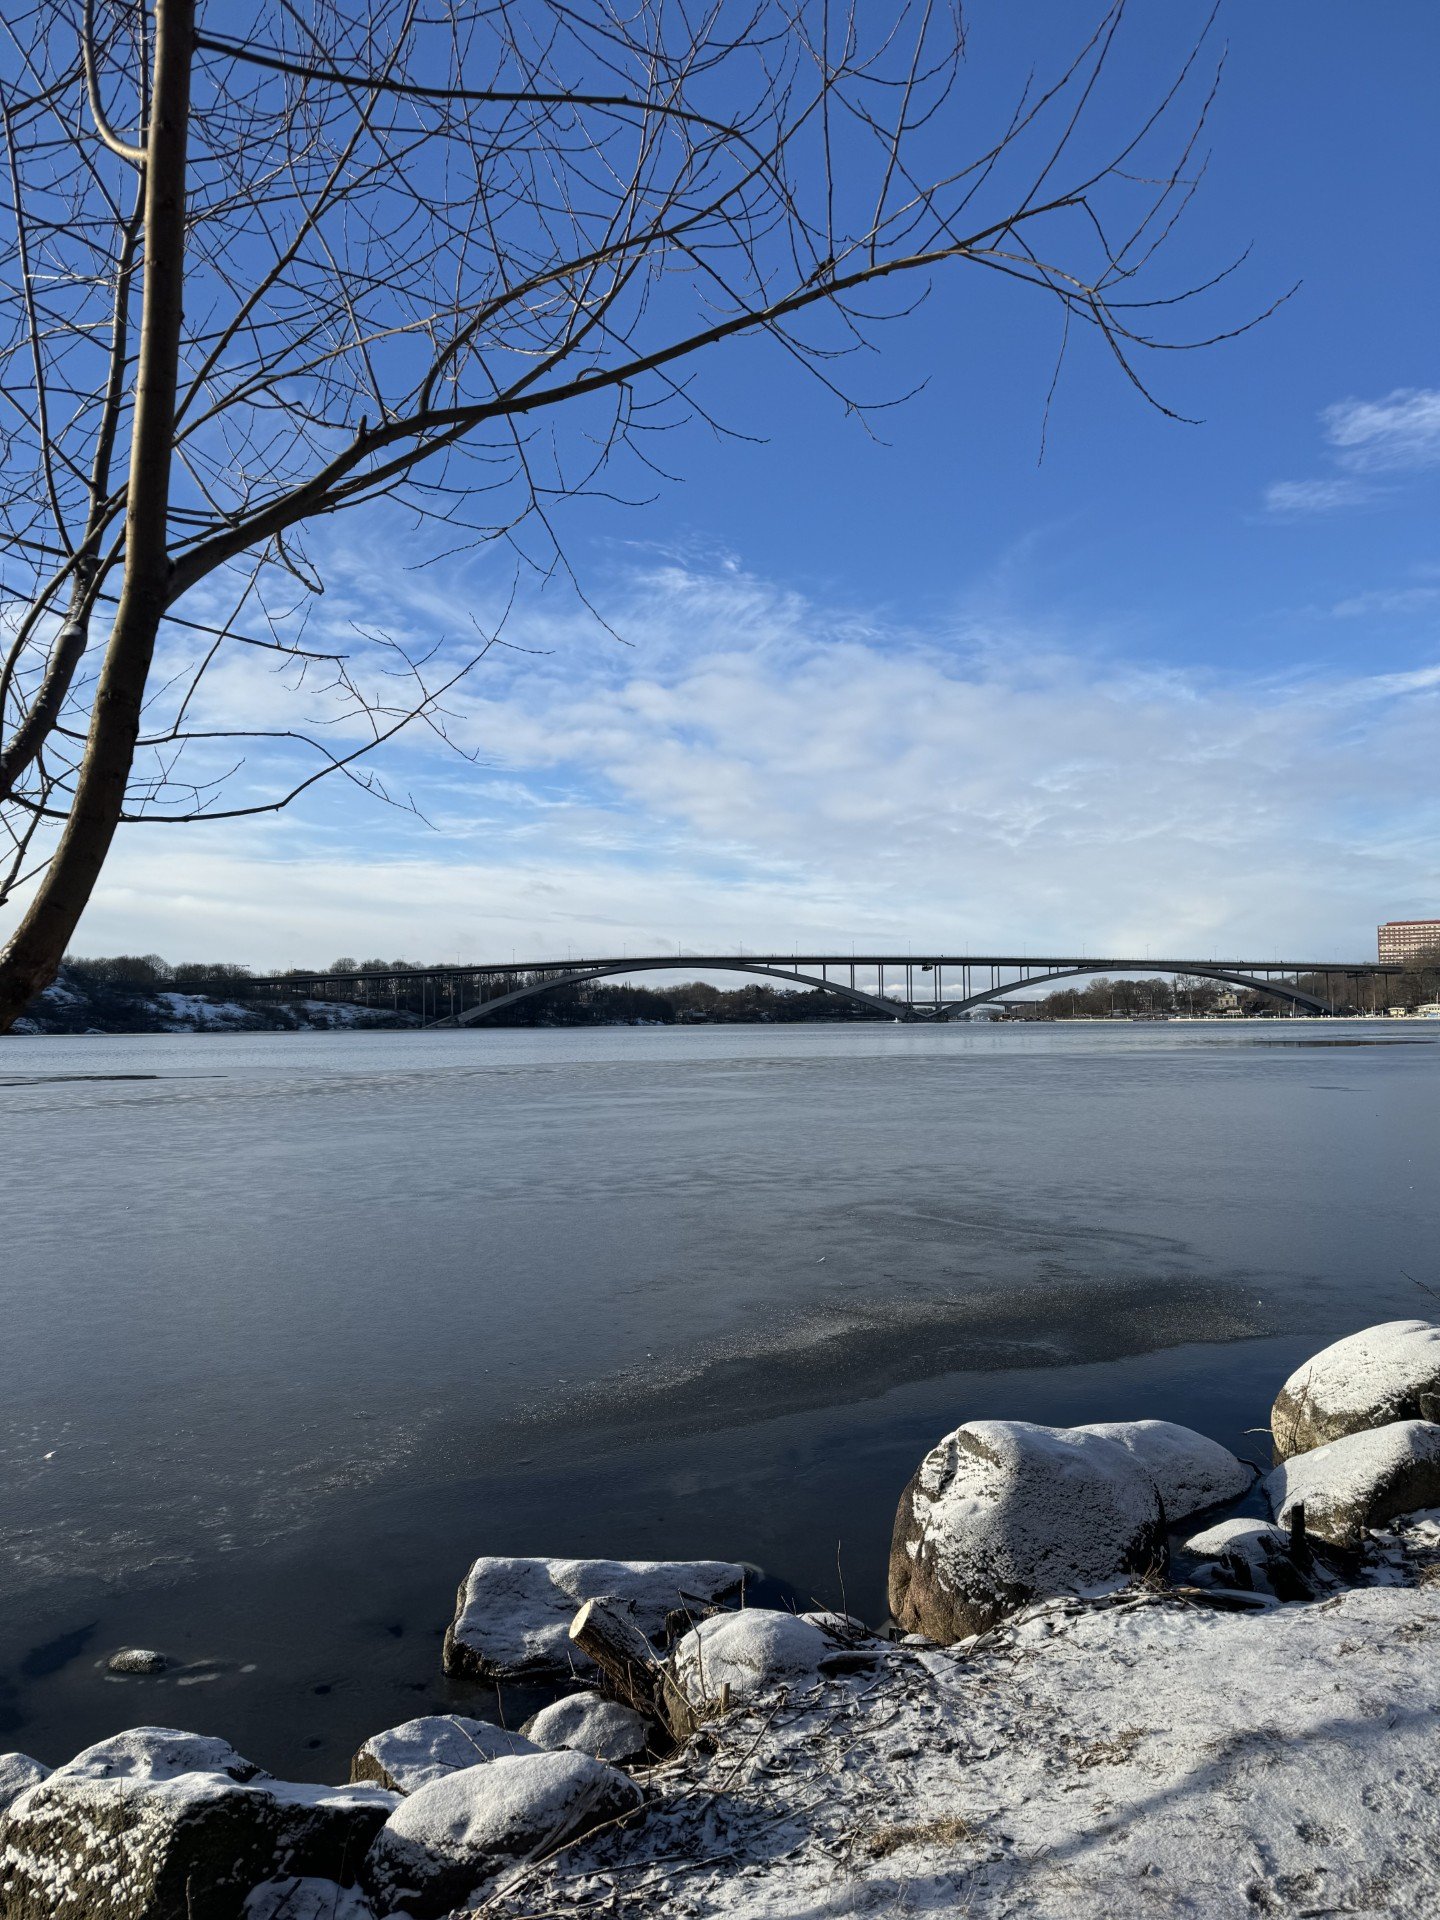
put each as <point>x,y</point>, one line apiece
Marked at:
<point>1113,1752</point>
<point>881,1842</point>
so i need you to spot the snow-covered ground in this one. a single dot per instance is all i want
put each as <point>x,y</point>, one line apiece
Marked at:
<point>1090,1760</point>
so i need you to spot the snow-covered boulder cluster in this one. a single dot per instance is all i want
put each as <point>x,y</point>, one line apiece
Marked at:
<point>1002,1513</point>
<point>512,1616</point>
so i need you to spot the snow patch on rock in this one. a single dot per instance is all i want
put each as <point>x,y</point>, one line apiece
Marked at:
<point>156,1753</point>
<point>1191,1470</point>
<point>17,1773</point>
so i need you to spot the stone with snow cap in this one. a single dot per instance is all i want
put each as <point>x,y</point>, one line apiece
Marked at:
<point>137,1660</point>
<point>589,1723</point>
<point>512,1616</point>
<point>750,1652</point>
<point>419,1751</point>
<point>17,1773</point>
<point>1360,1482</point>
<point>1369,1379</point>
<point>156,1753</point>
<point>169,1824</point>
<point>1003,1512</point>
<point>1192,1471</point>
<point>446,1841</point>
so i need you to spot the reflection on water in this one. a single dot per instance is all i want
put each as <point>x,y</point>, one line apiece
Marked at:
<point>297,1324</point>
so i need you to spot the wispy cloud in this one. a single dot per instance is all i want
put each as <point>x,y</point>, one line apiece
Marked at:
<point>1387,600</point>
<point>1398,434</point>
<point>1292,498</point>
<point>756,769</point>
<point>1380,436</point>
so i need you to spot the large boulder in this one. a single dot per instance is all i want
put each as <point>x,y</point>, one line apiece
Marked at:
<point>512,1616</point>
<point>1360,1482</point>
<point>1192,1471</point>
<point>447,1840</point>
<point>1369,1379</point>
<point>1003,1512</point>
<point>419,1751</point>
<point>156,1824</point>
<point>589,1723</point>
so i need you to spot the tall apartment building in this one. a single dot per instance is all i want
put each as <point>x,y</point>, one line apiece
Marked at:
<point>1401,940</point>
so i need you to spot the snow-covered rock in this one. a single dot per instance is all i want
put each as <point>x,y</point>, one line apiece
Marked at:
<point>1136,1759</point>
<point>589,1723</point>
<point>1002,1512</point>
<point>17,1772</point>
<point>1191,1470</point>
<point>1361,1481</point>
<point>128,1831</point>
<point>419,1751</point>
<point>137,1660</point>
<point>512,1616</point>
<point>1369,1379</point>
<point>294,1898</point>
<point>446,1840</point>
<point>156,1753</point>
<point>1251,1555</point>
<point>746,1652</point>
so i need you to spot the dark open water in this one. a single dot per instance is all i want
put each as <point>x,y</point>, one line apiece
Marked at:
<point>296,1325</point>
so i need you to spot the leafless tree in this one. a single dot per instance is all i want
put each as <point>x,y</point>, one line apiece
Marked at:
<point>264,263</point>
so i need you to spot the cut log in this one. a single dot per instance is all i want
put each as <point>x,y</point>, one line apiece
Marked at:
<point>629,1671</point>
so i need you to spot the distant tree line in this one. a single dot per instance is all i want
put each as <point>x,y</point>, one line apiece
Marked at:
<point>401,985</point>
<point>1133,999</point>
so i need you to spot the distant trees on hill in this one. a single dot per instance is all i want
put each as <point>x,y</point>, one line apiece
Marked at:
<point>398,984</point>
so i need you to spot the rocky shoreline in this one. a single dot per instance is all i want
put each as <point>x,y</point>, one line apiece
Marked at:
<point>1105,1692</point>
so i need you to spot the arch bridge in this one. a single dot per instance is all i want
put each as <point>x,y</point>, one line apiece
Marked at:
<point>908,986</point>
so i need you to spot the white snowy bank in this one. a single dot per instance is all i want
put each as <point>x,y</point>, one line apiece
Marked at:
<point>1086,1761</point>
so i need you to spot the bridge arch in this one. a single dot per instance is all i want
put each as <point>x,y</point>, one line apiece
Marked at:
<point>1281,991</point>
<point>892,1009</point>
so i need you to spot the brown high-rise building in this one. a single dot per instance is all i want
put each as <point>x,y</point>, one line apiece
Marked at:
<point>1401,940</point>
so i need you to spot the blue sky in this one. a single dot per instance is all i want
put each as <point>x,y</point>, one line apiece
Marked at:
<point>1174,686</point>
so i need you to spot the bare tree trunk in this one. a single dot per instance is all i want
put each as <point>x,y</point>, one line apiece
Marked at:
<point>34,953</point>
